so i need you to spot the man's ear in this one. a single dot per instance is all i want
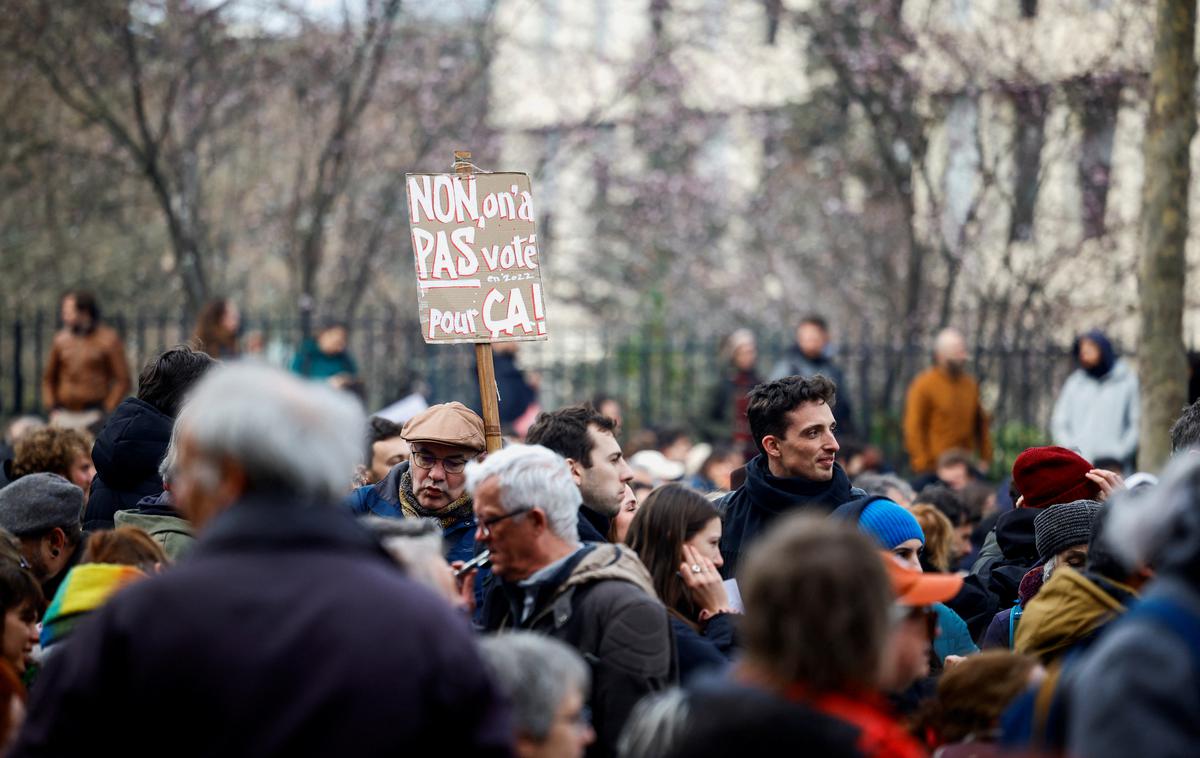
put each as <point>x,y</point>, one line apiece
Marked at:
<point>538,518</point>
<point>233,481</point>
<point>576,471</point>
<point>770,444</point>
<point>58,539</point>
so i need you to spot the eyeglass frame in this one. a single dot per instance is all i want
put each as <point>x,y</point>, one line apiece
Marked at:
<point>446,462</point>
<point>485,526</point>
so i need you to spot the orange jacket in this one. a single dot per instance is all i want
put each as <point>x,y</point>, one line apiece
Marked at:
<point>86,370</point>
<point>943,412</point>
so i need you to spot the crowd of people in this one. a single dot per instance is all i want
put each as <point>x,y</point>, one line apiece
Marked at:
<point>241,560</point>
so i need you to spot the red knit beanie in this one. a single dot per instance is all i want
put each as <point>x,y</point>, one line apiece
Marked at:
<point>1051,475</point>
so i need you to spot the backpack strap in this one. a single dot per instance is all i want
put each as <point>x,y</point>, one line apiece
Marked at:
<point>1014,618</point>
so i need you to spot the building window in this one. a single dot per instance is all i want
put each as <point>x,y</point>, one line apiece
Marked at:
<point>1098,117</point>
<point>774,10</point>
<point>961,175</point>
<point>1028,137</point>
<point>1028,8</point>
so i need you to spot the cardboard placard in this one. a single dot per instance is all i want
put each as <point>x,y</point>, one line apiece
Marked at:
<point>475,249</point>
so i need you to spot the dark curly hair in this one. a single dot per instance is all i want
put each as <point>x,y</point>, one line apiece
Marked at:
<point>770,401</point>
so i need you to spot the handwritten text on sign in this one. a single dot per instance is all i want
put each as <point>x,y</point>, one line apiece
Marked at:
<point>475,246</point>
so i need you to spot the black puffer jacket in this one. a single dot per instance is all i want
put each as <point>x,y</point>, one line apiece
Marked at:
<point>127,454</point>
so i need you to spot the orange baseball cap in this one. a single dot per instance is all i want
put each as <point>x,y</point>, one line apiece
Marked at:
<point>915,588</point>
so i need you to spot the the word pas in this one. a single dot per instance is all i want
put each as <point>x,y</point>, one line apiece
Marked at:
<point>522,252</point>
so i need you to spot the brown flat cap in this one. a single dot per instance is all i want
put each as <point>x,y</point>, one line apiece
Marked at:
<point>448,424</point>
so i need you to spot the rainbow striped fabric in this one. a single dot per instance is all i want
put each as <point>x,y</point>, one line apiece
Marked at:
<point>86,587</point>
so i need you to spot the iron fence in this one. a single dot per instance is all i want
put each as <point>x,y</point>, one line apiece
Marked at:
<point>660,378</point>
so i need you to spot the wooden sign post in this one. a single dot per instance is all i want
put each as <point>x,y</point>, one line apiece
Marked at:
<point>485,367</point>
<point>475,249</point>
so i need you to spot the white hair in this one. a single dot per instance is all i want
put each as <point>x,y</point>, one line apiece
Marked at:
<point>166,469</point>
<point>1146,524</point>
<point>535,673</point>
<point>531,476</point>
<point>415,544</point>
<point>290,436</point>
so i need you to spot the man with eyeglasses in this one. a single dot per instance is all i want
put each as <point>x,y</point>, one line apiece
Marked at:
<point>596,597</point>
<point>432,483</point>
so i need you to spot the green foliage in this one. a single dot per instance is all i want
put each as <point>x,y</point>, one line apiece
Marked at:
<point>1009,440</point>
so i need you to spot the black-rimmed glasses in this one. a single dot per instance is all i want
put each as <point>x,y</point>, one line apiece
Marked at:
<point>485,526</point>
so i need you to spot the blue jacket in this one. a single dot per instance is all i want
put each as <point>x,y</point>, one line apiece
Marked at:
<point>383,499</point>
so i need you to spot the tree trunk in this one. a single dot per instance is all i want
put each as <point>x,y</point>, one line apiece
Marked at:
<point>1169,131</point>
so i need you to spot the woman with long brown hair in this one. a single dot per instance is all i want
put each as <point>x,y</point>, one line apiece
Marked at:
<point>676,532</point>
<point>217,329</point>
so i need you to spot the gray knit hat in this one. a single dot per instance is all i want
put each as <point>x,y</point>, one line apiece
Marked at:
<point>38,502</point>
<point>1062,526</point>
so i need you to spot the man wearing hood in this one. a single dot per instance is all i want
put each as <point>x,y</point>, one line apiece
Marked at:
<point>133,443</point>
<point>1097,409</point>
<point>794,429</point>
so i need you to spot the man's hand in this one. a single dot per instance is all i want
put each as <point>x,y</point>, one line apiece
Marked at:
<point>465,585</point>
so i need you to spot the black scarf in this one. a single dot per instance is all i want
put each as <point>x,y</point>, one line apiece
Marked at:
<point>777,493</point>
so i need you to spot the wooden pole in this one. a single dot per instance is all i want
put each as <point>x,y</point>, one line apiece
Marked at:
<point>489,396</point>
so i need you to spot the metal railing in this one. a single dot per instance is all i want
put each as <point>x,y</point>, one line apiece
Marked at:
<point>659,378</point>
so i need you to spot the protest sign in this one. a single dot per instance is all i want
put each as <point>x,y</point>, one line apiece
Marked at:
<point>475,249</point>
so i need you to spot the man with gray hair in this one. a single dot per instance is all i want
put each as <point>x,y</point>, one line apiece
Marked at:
<point>547,683</point>
<point>255,644</point>
<point>596,597</point>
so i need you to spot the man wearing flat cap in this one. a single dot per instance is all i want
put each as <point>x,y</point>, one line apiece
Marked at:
<point>431,484</point>
<point>44,512</point>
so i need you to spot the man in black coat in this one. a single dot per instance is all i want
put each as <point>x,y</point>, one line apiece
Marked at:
<point>288,630</point>
<point>134,440</point>
<point>794,429</point>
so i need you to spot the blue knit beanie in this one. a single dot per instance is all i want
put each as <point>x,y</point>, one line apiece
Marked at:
<point>890,524</point>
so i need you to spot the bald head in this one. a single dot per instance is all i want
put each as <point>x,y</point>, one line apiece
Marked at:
<point>950,349</point>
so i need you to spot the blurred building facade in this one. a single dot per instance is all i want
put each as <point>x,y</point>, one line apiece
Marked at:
<point>1032,112</point>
